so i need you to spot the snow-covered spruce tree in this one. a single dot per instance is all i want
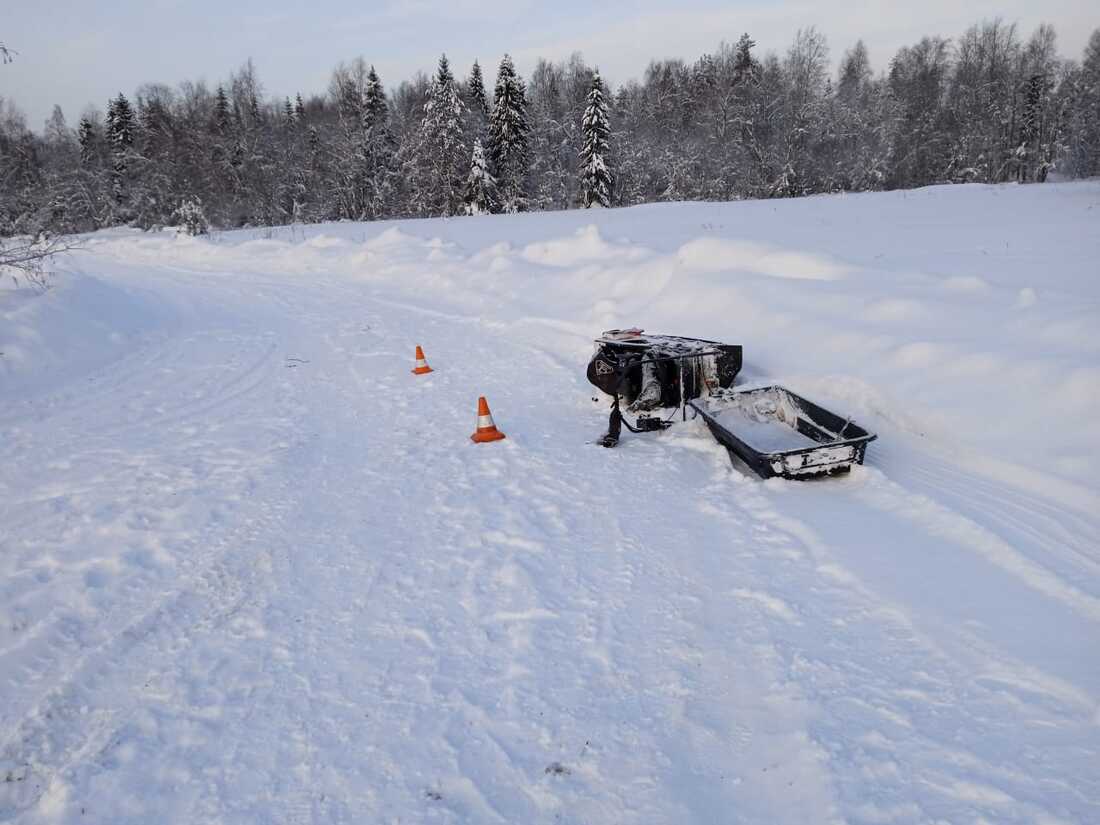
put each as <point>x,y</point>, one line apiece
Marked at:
<point>378,149</point>
<point>597,182</point>
<point>120,136</point>
<point>745,65</point>
<point>88,139</point>
<point>120,124</point>
<point>481,187</point>
<point>508,147</point>
<point>477,101</point>
<point>222,117</point>
<point>438,162</point>
<point>375,110</point>
<point>217,159</point>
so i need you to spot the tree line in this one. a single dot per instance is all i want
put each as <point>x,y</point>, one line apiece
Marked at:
<point>989,106</point>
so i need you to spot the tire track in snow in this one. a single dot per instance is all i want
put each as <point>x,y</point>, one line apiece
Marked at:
<point>891,702</point>
<point>54,740</point>
<point>1056,536</point>
<point>58,738</point>
<point>946,522</point>
<point>126,472</point>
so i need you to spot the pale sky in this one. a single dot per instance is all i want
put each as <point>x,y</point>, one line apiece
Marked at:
<point>76,53</point>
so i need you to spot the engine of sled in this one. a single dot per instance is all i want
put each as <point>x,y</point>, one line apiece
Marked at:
<point>650,372</point>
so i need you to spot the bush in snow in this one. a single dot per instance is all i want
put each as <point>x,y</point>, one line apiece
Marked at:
<point>191,217</point>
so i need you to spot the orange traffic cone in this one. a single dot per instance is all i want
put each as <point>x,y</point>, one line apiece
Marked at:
<point>486,429</point>
<point>421,365</point>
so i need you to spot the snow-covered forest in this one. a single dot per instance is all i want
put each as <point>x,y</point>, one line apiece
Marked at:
<point>747,121</point>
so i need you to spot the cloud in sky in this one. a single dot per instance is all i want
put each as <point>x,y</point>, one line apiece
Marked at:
<point>79,53</point>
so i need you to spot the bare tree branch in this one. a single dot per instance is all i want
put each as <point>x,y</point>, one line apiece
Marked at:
<point>27,257</point>
<point>7,55</point>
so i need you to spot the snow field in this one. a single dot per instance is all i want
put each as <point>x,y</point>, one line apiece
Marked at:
<point>251,569</point>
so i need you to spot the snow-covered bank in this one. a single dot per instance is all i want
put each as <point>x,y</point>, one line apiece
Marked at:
<point>251,568</point>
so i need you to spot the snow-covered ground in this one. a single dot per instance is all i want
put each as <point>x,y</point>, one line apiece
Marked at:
<point>253,570</point>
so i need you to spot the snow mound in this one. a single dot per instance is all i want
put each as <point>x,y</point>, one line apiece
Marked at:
<point>78,325</point>
<point>583,246</point>
<point>723,255</point>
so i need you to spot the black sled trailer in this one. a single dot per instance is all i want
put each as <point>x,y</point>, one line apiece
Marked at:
<point>771,429</point>
<point>778,433</point>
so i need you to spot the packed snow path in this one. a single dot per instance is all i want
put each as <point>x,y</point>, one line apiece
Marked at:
<point>253,570</point>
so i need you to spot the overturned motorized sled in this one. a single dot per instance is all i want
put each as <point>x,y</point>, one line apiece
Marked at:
<point>657,371</point>
<point>771,429</point>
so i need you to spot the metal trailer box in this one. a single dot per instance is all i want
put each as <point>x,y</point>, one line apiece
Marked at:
<point>778,433</point>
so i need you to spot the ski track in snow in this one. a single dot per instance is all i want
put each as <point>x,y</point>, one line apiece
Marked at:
<point>252,570</point>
